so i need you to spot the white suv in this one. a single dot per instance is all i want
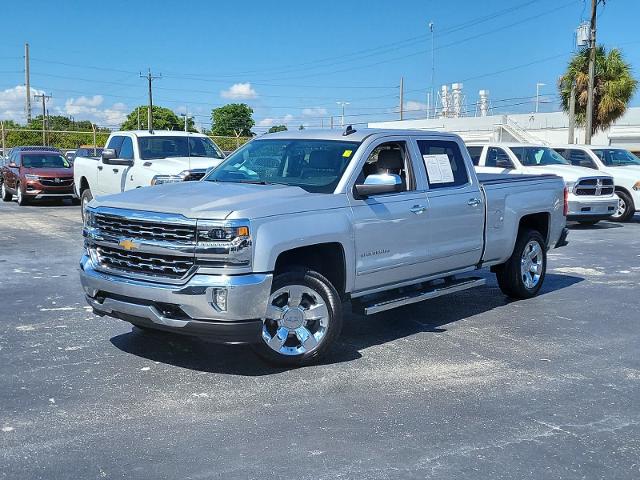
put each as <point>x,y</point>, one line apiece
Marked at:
<point>591,194</point>
<point>621,164</point>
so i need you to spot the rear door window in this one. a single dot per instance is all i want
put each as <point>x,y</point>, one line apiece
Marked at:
<point>444,163</point>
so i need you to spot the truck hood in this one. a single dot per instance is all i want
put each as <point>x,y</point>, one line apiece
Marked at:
<point>221,200</point>
<point>49,172</point>
<point>175,165</point>
<point>629,172</point>
<point>568,172</point>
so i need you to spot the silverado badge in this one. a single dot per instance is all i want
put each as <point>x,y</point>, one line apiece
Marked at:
<point>128,244</point>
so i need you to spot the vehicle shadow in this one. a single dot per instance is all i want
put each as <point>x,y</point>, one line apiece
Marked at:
<point>602,225</point>
<point>359,332</point>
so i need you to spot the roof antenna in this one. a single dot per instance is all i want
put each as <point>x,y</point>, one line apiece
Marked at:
<point>348,131</point>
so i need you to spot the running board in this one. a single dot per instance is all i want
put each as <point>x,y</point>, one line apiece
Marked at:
<point>426,294</point>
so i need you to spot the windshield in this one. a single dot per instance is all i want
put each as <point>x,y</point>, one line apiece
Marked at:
<point>615,157</point>
<point>45,160</point>
<point>154,148</point>
<point>314,165</point>
<point>538,156</point>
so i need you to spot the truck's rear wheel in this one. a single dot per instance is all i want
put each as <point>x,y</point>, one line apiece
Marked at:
<point>523,274</point>
<point>85,197</point>
<point>6,196</point>
<point>304,317</point>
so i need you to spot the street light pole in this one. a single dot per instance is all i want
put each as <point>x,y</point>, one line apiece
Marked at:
<point>433,72</point>
<point>343,105</point>
<point>538,85</point>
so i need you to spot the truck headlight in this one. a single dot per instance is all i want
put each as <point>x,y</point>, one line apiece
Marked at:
<point>89,218</point>
<point>224,243</point>
<point>636,186</point>
<point>31,177</point>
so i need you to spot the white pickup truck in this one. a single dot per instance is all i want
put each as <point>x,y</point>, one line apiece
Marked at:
<point>591,194</point>
<point>267,246</point>
<point>139,158</point>
<point>621,164</point>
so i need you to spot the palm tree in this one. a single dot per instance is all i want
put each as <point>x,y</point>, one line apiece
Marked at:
<point>614,87</point>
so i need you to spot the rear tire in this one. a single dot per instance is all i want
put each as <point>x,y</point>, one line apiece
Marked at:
<point>6,196</point>
<point>305,318</point>
<point>626,208</point>
<point>523,274</point>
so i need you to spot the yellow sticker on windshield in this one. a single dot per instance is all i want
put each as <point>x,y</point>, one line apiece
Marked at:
<point>347,153</point>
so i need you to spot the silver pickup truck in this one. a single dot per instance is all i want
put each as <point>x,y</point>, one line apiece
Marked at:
<point>269,246</point>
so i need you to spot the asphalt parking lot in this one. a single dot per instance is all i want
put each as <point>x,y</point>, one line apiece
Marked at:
<point>468,386</point>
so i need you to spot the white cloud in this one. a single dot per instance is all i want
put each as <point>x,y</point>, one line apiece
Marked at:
<point>413,106</point>
<point>270,122</point>
<point>239,91</point>
<point>87,108</point>
<point>12,103</point>
<point>314,112</point>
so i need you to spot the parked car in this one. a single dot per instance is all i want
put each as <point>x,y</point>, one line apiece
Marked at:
<point>267,246</point>
<point>36,173</point>
<point>591,194</point>
<point>70,155</point>
<point>133,159</point>
<point>621,164</point>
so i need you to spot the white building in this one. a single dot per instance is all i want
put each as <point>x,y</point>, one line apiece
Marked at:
<point>547,128</point>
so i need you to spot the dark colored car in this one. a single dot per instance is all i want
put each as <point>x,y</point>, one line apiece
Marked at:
<point>35,173</point>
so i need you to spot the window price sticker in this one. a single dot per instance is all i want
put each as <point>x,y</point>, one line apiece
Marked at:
<point>438,168</point>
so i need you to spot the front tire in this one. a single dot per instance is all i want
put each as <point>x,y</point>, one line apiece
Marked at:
<point>523,274</point>
<point>85,197</point>
<point>304,318</point>
<point>6,196</point>
<point>625,207</point>
<point>22,201</point>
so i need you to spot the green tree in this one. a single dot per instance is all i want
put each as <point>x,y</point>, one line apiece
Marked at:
<point>277,128</point>
<point>614,87</point>
<point>163,119</point>
<point>59,123</point>
<point>234,119</point>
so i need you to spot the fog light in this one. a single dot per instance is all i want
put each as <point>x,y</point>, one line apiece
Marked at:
<point>220,299</point>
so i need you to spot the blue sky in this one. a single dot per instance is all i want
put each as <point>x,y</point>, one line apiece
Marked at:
<point>292,61</point>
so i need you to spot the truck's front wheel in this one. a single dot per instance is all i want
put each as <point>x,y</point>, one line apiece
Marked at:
<point>85,197</point>
<point>304,317</point>
<point>523,274</point>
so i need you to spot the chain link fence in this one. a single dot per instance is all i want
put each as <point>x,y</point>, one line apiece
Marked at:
<point>70,140</point>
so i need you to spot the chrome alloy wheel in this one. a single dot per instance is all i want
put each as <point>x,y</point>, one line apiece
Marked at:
<point>622,208</point>
<point>19,194</point>
<point>296,321</point>
<point>531,264</point>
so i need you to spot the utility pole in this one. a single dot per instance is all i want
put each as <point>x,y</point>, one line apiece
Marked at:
<point>27,82</point>
<point>572,113</point>
<point>150,78</point>
<point>186,116</point>
<point>44,115</point>
<point>592,72</point>
<point>401,97</point>
<point>538,85</point>
<point>138,112</point>
<point>433,72</point>
<point>331,122</point>
<point>343,105</point>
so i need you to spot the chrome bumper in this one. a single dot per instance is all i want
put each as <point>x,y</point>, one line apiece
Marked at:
<point>591,207</point>
<point>177,307</point>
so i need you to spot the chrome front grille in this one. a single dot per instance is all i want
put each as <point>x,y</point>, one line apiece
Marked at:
<point>195,175</point>
<point>594,186</point>
<point>143,263</point>
<point>145,230</point>
<point>56,182</point>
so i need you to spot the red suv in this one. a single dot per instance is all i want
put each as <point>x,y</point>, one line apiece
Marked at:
<point>34,173</point>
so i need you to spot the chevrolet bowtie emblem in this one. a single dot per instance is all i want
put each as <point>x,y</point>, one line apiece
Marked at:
<point>128,244</point>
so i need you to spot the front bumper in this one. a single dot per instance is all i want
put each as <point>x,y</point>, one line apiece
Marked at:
<point>187,308</point>
<point>591,208</point>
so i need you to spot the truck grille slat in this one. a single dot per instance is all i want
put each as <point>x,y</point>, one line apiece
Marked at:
<point>122,227</point>
<point>144,263</point>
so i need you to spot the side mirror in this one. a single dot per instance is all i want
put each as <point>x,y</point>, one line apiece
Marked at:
<point>13,165</point>
<point>378,184</point>
<point>109,157</point>
<point>503,163</point>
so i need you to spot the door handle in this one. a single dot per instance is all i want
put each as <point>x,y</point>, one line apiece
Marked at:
<point>100,167</point>
<point>418,209</point>
<point>474,202</point>
<point>115,170</point>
